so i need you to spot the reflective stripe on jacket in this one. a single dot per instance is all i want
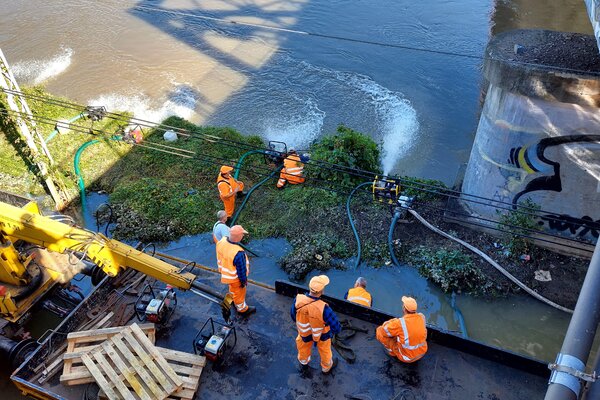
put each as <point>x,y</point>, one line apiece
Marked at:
<point>360,296</point>
<point>292,170</point>
<point>410,332</point>
<point>226,252</point>
<point>309,317</point>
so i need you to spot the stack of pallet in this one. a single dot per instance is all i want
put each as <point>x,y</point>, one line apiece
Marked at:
<point>125,364</point>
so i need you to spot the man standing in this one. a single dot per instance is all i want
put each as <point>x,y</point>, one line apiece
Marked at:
<point>316,324</point>
<point>292,171</point>
<point>405,338</point>
<point>220,229</point>
<point>228,188</point>
<point>358,294</point>
<point>234,268</point>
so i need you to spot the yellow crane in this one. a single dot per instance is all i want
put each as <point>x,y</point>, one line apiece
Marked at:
<point>24,280</point>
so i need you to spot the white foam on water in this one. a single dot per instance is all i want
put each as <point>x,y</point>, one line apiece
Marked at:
<point>299,129</point>
<point>181,102</point>
<point>39,71</point>
<point>399,122</point>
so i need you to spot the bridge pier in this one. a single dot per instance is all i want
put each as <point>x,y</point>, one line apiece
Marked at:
<point>539,130</point>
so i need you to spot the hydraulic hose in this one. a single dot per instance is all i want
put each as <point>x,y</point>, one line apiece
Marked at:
<point>390,238</point>
<point>358,245</point>
<point>492,262</point>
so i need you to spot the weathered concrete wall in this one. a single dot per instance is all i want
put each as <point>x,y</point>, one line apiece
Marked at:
<point>539,131</point>
<point>593,8</point>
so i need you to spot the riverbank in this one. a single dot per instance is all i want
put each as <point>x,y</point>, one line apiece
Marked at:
<point>158,196</point>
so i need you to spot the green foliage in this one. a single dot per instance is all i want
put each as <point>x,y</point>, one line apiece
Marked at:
<point>519,222</point>
<point>348,148</point>
<point>452,270</point>
<point>165,207</point>
<point>422,189</point>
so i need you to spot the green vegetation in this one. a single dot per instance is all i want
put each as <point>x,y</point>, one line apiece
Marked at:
<point>452,270</point>
<point>348,148</point>
<point>159,196</point>
<point>411,184</point>
<point>519,222</point>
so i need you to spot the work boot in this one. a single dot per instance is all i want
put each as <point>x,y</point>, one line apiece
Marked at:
<point>333,365</point>
<point>250,310</point>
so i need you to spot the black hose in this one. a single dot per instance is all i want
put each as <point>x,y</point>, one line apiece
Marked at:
<point>32,286</point>
<point>358,245</point>
<point>252,189</point>
<point>390,239</point>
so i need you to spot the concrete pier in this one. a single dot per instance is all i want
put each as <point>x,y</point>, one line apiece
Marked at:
<point>539,131</point>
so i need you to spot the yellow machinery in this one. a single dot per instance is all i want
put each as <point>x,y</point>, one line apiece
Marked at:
<point>24,280</point>
<point>386,190</point>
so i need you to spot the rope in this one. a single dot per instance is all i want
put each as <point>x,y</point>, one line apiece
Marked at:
<point>492,262</point>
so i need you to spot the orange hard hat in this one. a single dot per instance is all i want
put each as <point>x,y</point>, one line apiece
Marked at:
<point>236,233</point>
<point>318,283</point>
<point>226,169</point>
<point>409,303</point>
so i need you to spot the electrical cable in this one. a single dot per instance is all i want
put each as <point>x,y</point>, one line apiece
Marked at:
<point>336,167</point>
<point>354,40</point>
<point>221,161</point>
<point>362,173</point>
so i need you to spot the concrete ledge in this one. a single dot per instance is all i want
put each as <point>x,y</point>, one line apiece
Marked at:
<point>557,66</point>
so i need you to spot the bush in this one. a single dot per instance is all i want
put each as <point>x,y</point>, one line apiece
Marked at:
<point>452,270</point>
<point>350,149</point>
<point>520,222</point>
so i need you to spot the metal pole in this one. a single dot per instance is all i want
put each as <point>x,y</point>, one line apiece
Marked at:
<point>573,356</point>
<point>593,391</point>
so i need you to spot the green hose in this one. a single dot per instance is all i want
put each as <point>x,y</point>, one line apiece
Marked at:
<point>54,132</point>
<point>352,221</point>
<point>238,166</point>
<point>390,239</point>
<point>252,189</point>
<point>80,180</point>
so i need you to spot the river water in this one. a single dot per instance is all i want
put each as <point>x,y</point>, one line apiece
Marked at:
<point>286,85</point>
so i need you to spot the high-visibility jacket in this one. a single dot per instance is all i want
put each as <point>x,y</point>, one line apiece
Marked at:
<point>411,336</point>
<point>226,252</point>
<point>292,171</point>
<point>226,186</point>
<point>309,317</point>
<point>359,295</point>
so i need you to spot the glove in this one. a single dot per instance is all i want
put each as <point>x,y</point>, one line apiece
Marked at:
<point>243,284</point>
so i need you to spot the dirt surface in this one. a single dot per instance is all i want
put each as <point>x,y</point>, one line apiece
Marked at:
<point>566,273</point>
<point>556,49</point>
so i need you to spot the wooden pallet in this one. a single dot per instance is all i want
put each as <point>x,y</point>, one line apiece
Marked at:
<point>131,357</point>
<point>74,372</point>
<point>187,366</point>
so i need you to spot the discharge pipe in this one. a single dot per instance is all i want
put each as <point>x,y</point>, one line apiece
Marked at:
<point>358,245</point>
<point>569,368</point>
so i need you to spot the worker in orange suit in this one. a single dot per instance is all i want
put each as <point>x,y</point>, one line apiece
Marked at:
<point>358,294</point>
<point>293,169</point>
<point>316,324</point>
<point>405,338</point>
<point>234,268</point>
<point>228,189</point>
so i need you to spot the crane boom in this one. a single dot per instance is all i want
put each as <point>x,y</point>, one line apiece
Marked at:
<point>110,255</point>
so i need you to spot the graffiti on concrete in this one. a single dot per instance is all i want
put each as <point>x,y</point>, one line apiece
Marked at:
<point>576,226</point>
<point>532,160</point>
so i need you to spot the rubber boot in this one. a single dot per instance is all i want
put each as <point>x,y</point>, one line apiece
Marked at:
<point>335,363</point>
<point>250,310</point>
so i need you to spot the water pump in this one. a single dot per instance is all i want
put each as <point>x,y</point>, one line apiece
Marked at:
<point>156,307</point>
<point>215,341</point>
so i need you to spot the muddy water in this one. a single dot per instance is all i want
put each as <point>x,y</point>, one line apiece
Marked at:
<point>516,323</point>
